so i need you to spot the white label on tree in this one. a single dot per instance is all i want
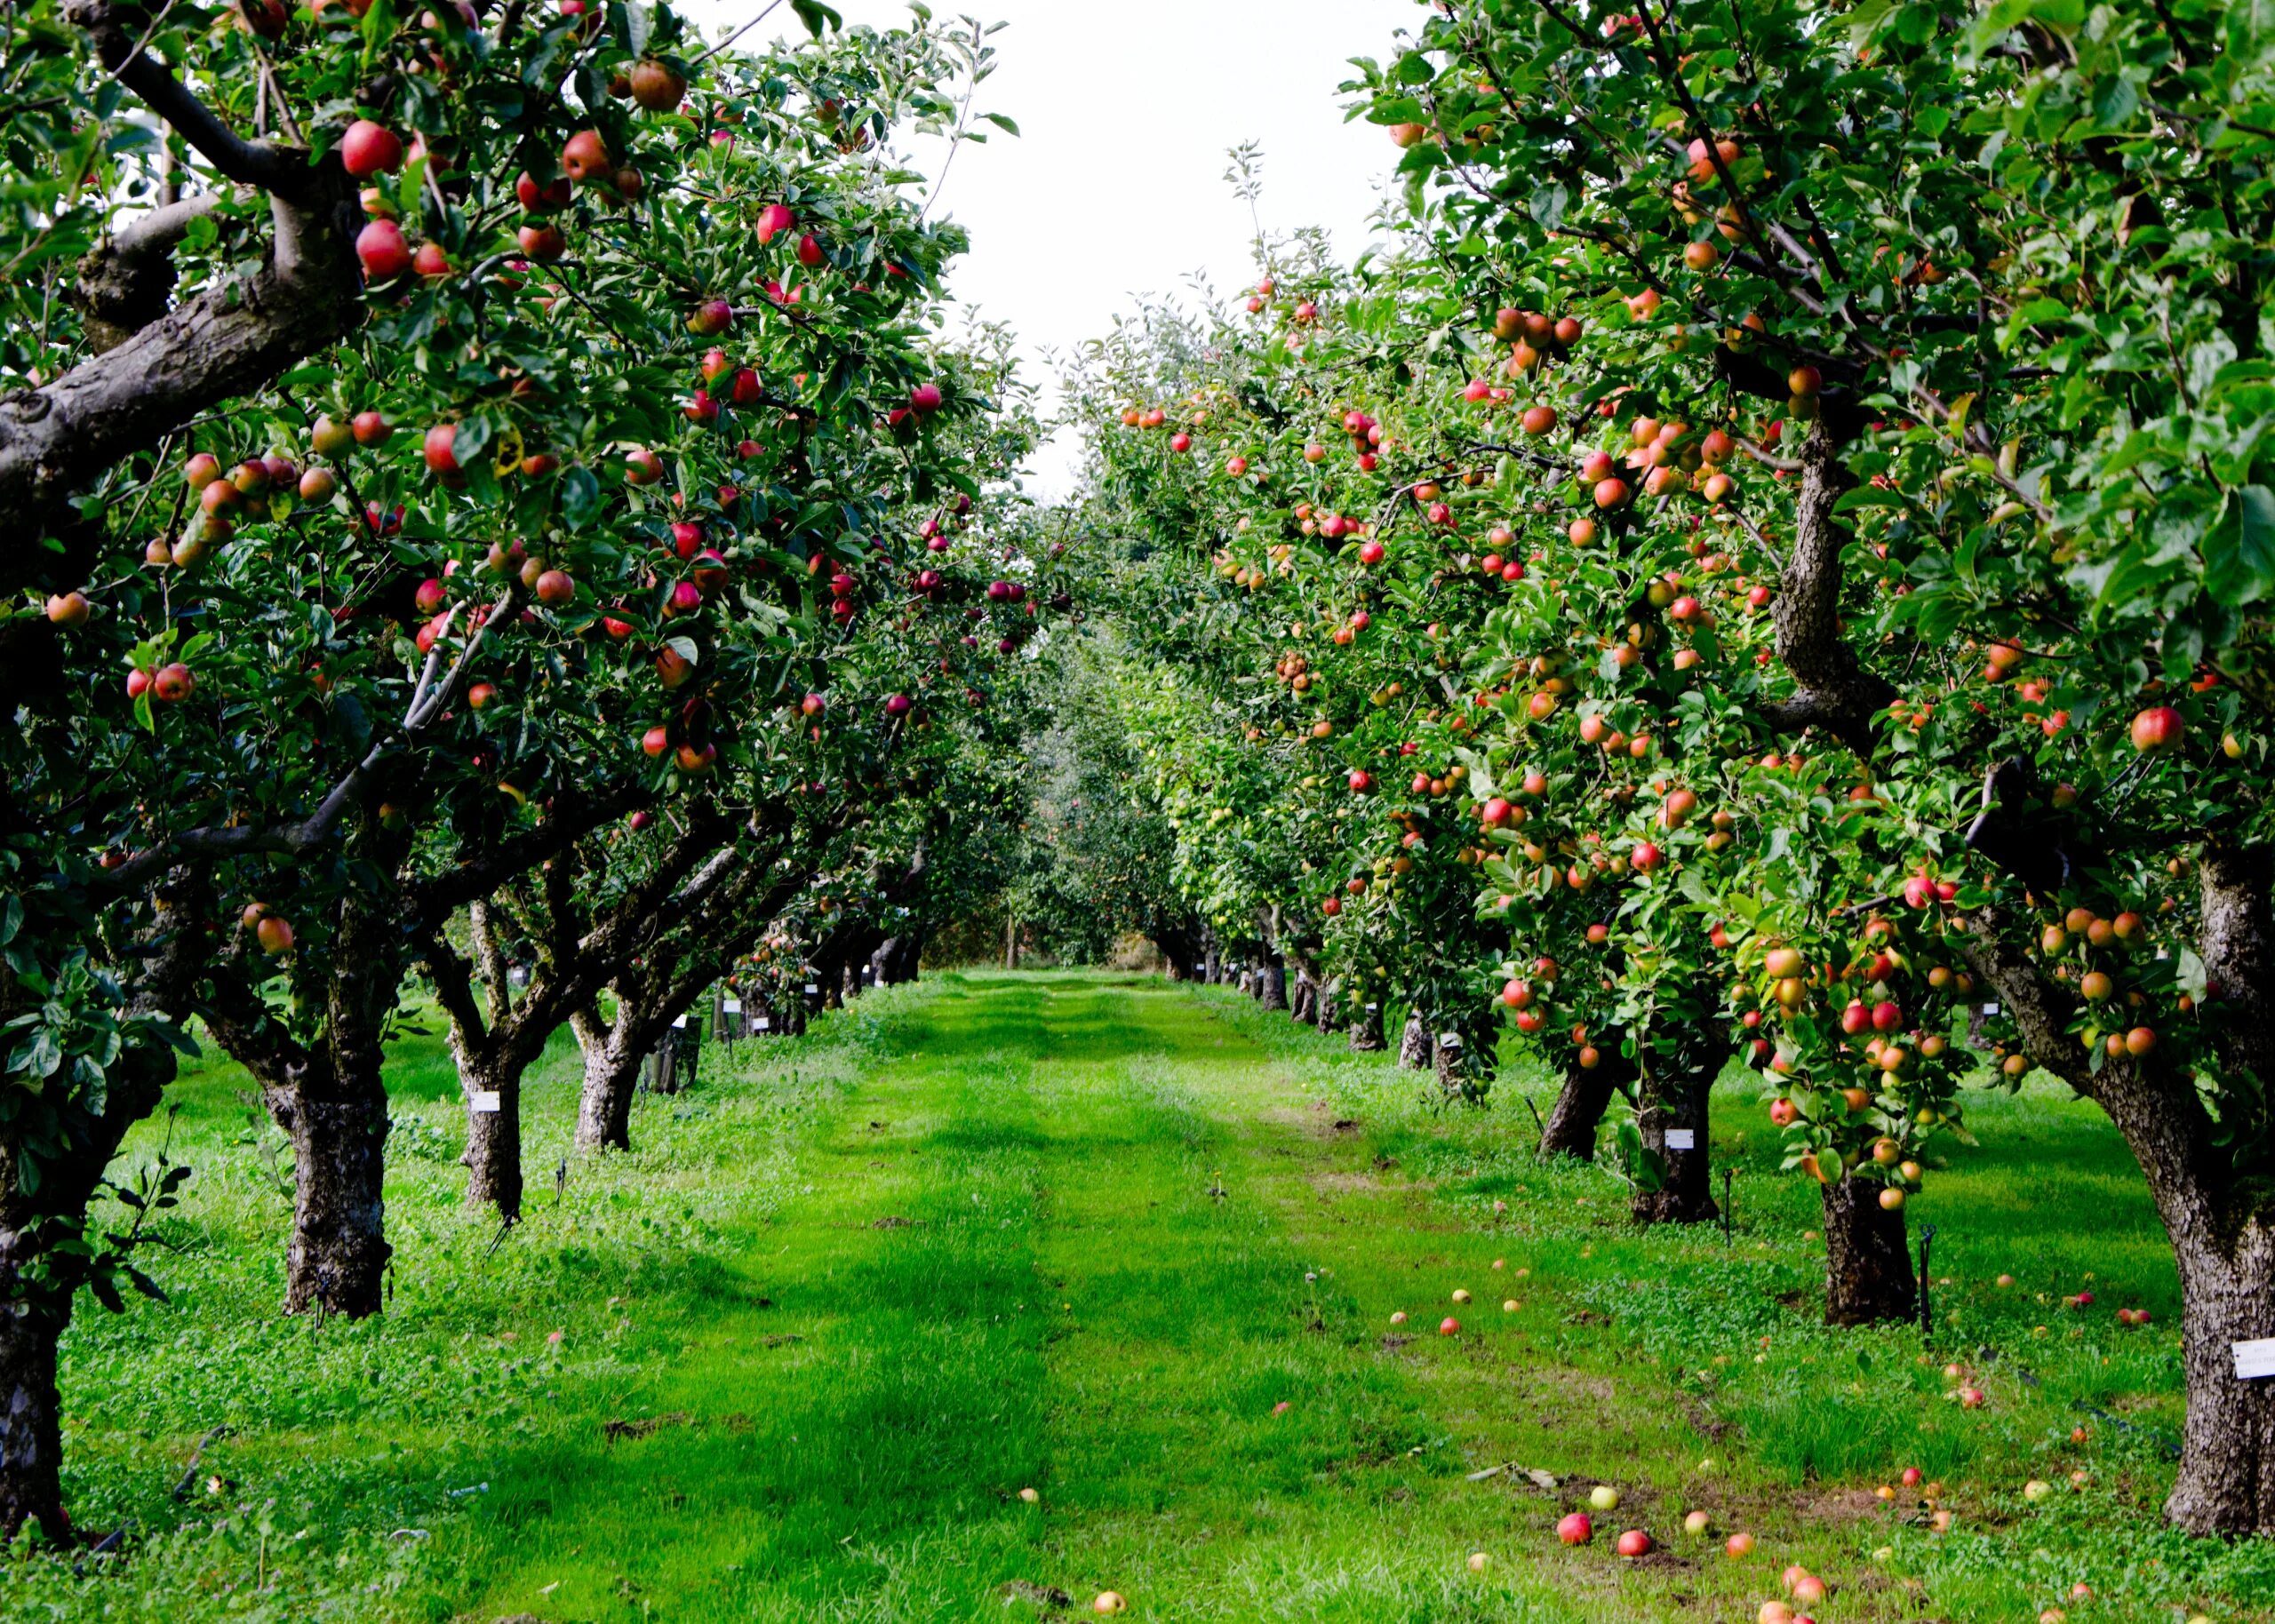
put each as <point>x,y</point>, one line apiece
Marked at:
<point>680,1024</point>
<point>734,1006</point>
<point>1374,1008</point>
<point>811,988</point>
<point>2255,1359</point>
<point>1449,1040</point>
<point>764,1025</point>
<point>1990,1009</point>
<point>486,1100</point>
<point>1682,1139</point>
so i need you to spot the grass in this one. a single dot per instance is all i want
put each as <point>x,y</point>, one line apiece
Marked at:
<point>1084,1233</point>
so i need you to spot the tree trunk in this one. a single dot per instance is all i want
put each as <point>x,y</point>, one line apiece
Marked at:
<point>338,1123</point>
<point>1415,1050</point>
<point>612,1061</point>
<point>1012,944</point>
<point>2226,1484</point>
<point>1304,1006</point>
<point>1366,1027</point>
<point>1572,1122</point>
<point>1323,1007</point>
<point>1272,986</point>
<point>31,1414</point>
<point>1673,1099</point>
<point>493,1138</point>
<point>1868,1275</point>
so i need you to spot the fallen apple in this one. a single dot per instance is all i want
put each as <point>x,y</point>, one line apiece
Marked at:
<point>1575,1529</point>
<point>1603,1497</point>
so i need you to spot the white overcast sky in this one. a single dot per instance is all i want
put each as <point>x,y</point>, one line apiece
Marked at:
<point>1114,186</point>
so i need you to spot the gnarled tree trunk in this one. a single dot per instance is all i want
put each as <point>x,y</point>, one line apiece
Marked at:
<point>1416,1052</point>
<point>1366,1026</point>
<point>493,1138</point>
<point>613,1056</point>
<point>1271,985</point>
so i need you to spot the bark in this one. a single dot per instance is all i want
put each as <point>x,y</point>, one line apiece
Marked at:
<point>1868,1275</point>
<point>1415,1050</point>
<point>1304,1006</point>
<point>1366,1026</point>
<point>1832,690</point>
<point>493,1141</point>
<point>612,1061</point>
<point>228,341</point>
<point>1323,1007</point>
<point>1572,1122</point>
<point>1272,986</point>
<point>1673,1094</point>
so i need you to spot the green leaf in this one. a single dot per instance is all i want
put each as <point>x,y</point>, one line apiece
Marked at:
<point>2239,550</point>
<point>581,496</point>
<point>1002,123</point>
<point>816,16</point>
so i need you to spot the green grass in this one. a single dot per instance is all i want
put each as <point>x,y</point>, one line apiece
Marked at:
<point>1083,1233</point>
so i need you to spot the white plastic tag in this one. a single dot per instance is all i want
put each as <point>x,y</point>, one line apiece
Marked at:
<point>1682,1139</point>
<point>811,988</point>
<point>680,1024</point>
<point>1990,1009</point>
<point>1374,1008</point>
<point>2255,1359</point>
<point>764,1025</point>
<point>734,1006</point>
<point>486,1100</point>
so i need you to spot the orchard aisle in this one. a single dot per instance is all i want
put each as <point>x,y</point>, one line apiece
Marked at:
<point>1059,1240</point>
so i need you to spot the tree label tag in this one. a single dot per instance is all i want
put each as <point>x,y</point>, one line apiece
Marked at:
<point>734,1006</point>
<point>1373,1010</point>
<point>486,1101</point>
<point>2255,1359</point>
<point>764,1025</point>
<point>680,1024</point>
<point>811,988</point>
<point>1682,1139</point>
<point>1990,1009</point>
<point>1449,1040</point>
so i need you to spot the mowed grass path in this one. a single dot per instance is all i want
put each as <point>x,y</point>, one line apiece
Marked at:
<point>1087,1235</point>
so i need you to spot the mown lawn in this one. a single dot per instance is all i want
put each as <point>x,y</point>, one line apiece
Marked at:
<point>1086,1234</point>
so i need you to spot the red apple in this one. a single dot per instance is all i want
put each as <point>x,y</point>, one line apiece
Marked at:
<point>380,246</point>
<point>369,149</point>
<point>1575,1529</point>
<point>2158,727</point>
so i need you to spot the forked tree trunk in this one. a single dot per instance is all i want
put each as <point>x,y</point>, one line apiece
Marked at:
<point>1573,1121</point>
<point>612,1061</point>
<point>1673,1099</point>
<point>1366,1027</point>
<point>1868,1277</point>
<point>1415,1049</point>
<point>1304,1006</point>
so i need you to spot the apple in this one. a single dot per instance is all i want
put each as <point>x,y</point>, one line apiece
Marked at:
<point>1032,1496</point>
<point>585,156</point>
<point>555,587</point>
<point>369,149</point>
<point>1479,1562</point>
<point>2036,1490</point>
<point>690,759</point>
<point>542,242</point>
<point>925,399</point>
<point>1774,1613</point>
<point>1370,552</point>
<point>773,220</point>
<point>2158,727</point>
<point>173,683</point>
<point>1574,1528</point>
<point>440,457</point>
<point>1398,1317</point>
<point>380,246</point>
<point>1739,1545</point>
<point>712,317</point>
<point>1634,1542</point>
<point>642,467</point>
<point>1448,1325</point>
<point>1696,1523</point>
<point>545,199</point>
<point>1109,1601</point>
<point>70,609</point>
<point>657,86</point>
<point>1808,1590</point>
<point>1805,381</point>
<point>274,934</point>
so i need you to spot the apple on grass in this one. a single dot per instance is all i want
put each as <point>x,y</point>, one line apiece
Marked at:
<point>1576,1529</point>
<point>1603,1497</point>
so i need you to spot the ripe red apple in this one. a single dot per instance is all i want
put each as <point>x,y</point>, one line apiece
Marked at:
<point>481,693</point>
<point>773,220</point>
<point>536,199</point>
<point>585,156</point>
<point>1361,781</point>
<point>1634,1542</point>
<point>430,260</point>
<point>691,760</point>
<point>925,399</point>
<point>440,440</point>
<point>381,247</point>
<point>1805,381</point>
<point>369,149</point>
<point>430,596</point>
<point>712,317</point>
<point>173,683</point>
<point>542,242</point>
<point>555,587</point>
<point>642,467</point>
<point>137,684</point>
<point>811,252</point>
<point>274,933</point>
<point>70,608</point>
<point>2158,727</point>
<point>1575,1529</point>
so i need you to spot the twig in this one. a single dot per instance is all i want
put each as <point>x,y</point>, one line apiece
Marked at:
<point>738,34</point>
<point>189,1472</point>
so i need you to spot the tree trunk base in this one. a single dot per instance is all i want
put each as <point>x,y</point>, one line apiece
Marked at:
<point>1414,1046</point>
<point>338,1254</point>
<point>31,1420</point>
<point>1868,1279</point>
<point>1572,1122</point>
<point>2226,1484</point>
<point>1367,1029</point>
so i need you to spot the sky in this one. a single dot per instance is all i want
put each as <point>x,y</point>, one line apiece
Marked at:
<point>1114,186</point>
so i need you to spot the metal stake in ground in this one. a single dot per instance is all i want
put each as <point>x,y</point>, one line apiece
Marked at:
<point>1927,1239</point>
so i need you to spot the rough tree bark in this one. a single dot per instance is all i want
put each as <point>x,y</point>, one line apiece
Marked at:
<point>1868,1275</point>
<point>1366,1027</point>
<point>1304,1006</point>
<point>613,1055</point>
<point>1572,1122</point>
<point>1416,1052</point>
<point>1832,688</point>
